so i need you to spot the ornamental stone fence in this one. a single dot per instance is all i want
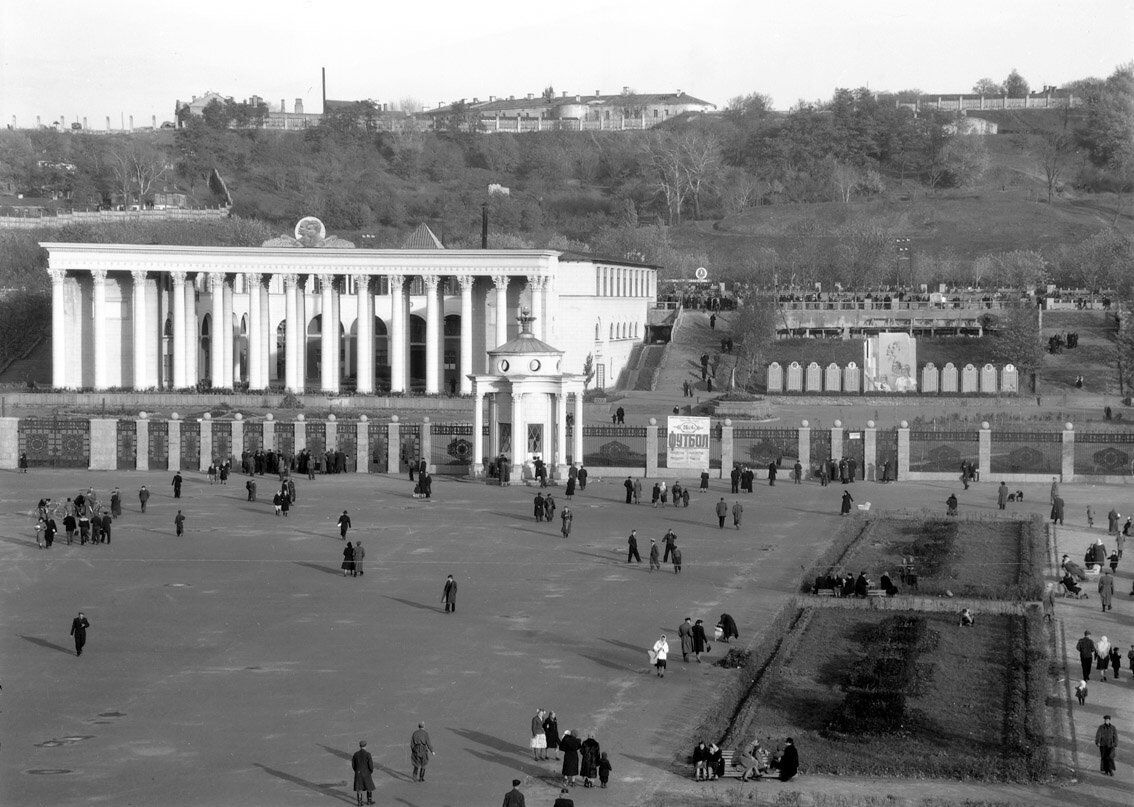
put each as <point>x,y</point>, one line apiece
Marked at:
<point>386,446</point>
<point>848,380</point>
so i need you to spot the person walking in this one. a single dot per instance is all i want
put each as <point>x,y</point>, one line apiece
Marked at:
<point>514,798</point>
<point>537,507</point>
<point>737,512</point>
<point>582,477</point>
<point>250,486</point>
<point>538,741</point>
<point>566,517</point>
<point>604,769</point>
<point>363,766</point>
<point>348,559</point>
<point>670,540</point>
<point>685,635</point>
<point>676,559</point>
<point>655,563</point>
<point>637,490</point>
<point>1054,489</point>
<point>1106,738</point>
<point>658,654</point>
<point>1112,521</point>
<point>846,505</point>
<point>421,749</point>
<point>116,503</point>
<point>797,472</point>
<point>1086,648</point>
<point>722,512</point>
<point>79,627</point>
<point>700,640</point>
<point>789,761</point>
<point>449,595</point>
<point>1002,496</point>
<point>359,556</point>
<point>629,485</point>
<point>344,525</point>
<point>1106,589</point>
<point>179,523</point>
<point>1090,517</point>
<point>1057,510</point>
<point>569,744</point>
<point>551,732</point>
<point>773,469</point>
<point>1102,655</point>
<point>177,485</point>
<point>143,497</point>
<point>632,550</point>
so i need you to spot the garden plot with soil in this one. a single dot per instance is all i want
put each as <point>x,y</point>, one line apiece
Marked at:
<point>992,559</point>
<point>905,695</point>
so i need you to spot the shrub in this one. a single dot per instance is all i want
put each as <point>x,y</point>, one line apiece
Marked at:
<point>832,558</point>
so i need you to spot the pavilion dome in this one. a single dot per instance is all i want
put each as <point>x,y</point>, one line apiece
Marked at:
<point>526,355</point>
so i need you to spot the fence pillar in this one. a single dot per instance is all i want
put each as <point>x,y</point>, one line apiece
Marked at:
<point>9,443</point>
<point>984,464</point>
<point>173,453</point>
<point>393,445</point>
<point>236,443</point>
<point>1068,469</point>
<point>652,449</point>
<point>332,428</point>
<point>803,437</point>
<point>726,448</point>
<point>205,455</point>
<point>903,450</point>
<point>142,443</point>
<point>299,429</point>
<point>870,453</point>
<point>427,445</point>
<point>362,445</point>
<point>104,444</point>
<point>837,449</point>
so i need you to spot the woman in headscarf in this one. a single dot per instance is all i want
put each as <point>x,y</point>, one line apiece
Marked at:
<point>847,499</point>
<point>728,628</point>
<point>700,640</point>
<point>569,744</point>
<point>348,559</point>
<point>1102,655</point>
<point>551,732</point>
<point>589,767</point>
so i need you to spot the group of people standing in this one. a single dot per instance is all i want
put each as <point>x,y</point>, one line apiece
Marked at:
<point>583,758</point>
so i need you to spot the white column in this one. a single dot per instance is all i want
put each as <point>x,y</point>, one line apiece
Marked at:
<point>477,436</point>
<point>267,338</point>
<point>192,335</point>
<point>577,453</point>
<point>177,310</point>
<point>519,435</point>
<point>466,282</point>
<point>98,334</point>
<point>291,345</point>
<point>432,336</point>
<point>216,339</point>
<point>560,458</point>
<point>139,329</point>
<point>328,351</point>
<point>538,284</point>
<point>257,361</point>
<point>397,334</point>
<point>229,364</point>
<point>364,344</point>
<point>501,282</point>
<point>59,330</point>
<point>301,338</point>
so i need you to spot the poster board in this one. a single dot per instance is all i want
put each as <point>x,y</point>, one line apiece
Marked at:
<point>687,442</point>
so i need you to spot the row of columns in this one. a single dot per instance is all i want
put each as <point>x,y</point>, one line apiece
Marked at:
<point>183,313</point>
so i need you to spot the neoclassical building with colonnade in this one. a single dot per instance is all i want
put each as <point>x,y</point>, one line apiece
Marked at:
<point>418,319</point>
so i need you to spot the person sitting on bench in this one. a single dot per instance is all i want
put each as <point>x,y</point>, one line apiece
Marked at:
<point>1069,583</point>
<point>887,585</point>
<point>951,505</point>
<point>861,585</point>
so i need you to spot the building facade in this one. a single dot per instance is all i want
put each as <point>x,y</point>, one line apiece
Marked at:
<point>405,320</point>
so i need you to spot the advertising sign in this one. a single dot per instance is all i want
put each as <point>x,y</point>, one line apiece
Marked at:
<point>687,444</point>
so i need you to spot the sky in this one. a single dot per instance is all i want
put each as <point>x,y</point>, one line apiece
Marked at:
<point>75,58</point>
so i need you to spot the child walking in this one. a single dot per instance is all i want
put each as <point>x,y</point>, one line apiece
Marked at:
<point>1081,693</point>
<point>604,770</point>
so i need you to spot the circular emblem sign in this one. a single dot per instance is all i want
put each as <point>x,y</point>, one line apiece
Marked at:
<point>702,273</point>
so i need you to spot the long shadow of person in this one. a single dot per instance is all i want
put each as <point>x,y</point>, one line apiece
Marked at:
<point>393,774</point>
<point>47,644</point>
<point>329,790</point>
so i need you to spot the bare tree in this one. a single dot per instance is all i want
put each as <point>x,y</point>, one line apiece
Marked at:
<point>754,330</point>
<point>846,178</point>
<point>138,165</point>
<point>409,105</point>
<point>1052,153</point>
<point>664,153</point>
<point>701,162</point>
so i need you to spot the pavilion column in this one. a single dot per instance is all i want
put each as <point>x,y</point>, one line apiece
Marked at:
<point>267,337</point>
<point>58,330</point>
<point>257,361</point>
<point>140,330</point>
<point>216,339</point>
<point>560,458</point>
<point>477,436</point>
<point>291,336</point>
<point>177,309</point>
<point>398,334</point>
<point>229,363</point>
<point>98,335</point>
<point>466,282</point>
<point>577,453</point>
<point>501,283</point>
<point>364,342</point>
<point>519,436</point>
<point>192,336</point>
<point>301,336</point>
<point>537,284</point>
<point>329,338</point>
<point>432,336</point>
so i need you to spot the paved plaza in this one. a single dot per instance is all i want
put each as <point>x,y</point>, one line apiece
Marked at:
<point>236,665</point>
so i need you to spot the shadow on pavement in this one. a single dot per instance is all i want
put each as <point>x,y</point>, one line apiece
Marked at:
<point>318,568</point>
<point>47,644</point>
<point>492,742</point>
<point>413,604</point>
<point>325,790</point>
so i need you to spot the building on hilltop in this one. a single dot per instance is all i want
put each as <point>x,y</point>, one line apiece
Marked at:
<point>964,102</point>
<point>570,112</point>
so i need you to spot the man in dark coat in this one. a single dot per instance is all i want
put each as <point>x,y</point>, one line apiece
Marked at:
<point>449,595</point>
<point>722,512</point>
<point>705,481</point>
<point>734,477</point>
<point>363,766</point>
<point>421,748</point>
<point>845,509</point>
<point>632,551</point>
<point>344,525</point>
<point>629,485</point>
<point>582,478</point>
<point>654,562</point>
<point>537,507</point>
<point>1106,738</point>
<point>670,539</point>
<point>514,798</point>
<point>789,761</point>
<point>143,497</point>
<point>79,627</point>
<point>1086,648</point>
<point>1001,496</point>
<point>177,485</point>
<point>569,744</point>
<point>773,469</point>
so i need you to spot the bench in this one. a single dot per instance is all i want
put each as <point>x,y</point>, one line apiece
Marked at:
<point>875,592</point>
<point>729,769</point>
<point>825,592</point>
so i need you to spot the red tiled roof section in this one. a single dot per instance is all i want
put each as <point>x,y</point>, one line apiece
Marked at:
<point>423,238</point>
